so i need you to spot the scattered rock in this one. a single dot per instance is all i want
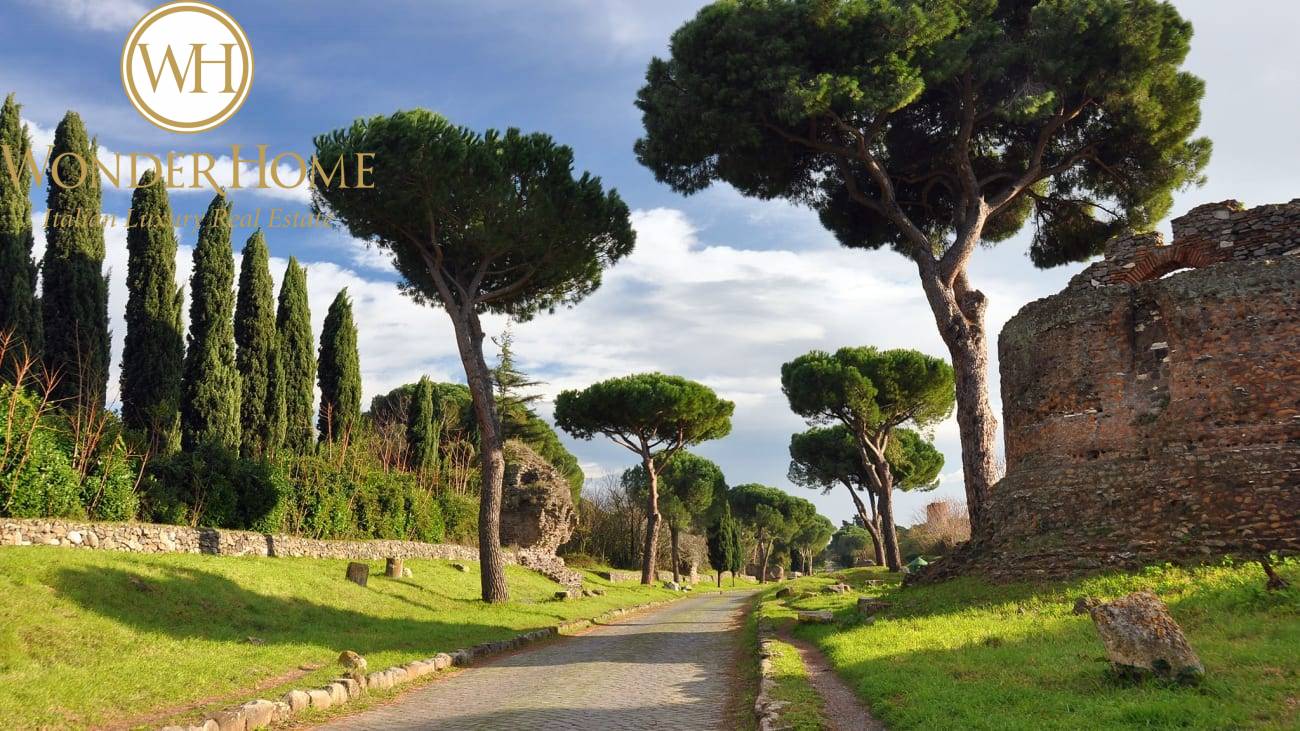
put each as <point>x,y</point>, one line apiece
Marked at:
<point>460,567</point>
<point>871,606</point>
<point>1084,604</point>
<point>1141,637</point>
<point>310,666</point>
<point>564,595</point>
<point>820,616</point>
<point>358,573</point>
<point>840,588</point>
<point>441,661</point>
<point>255,640</point>
<point>406,573</point>
<point>672,586</point>
<point>354,665</point>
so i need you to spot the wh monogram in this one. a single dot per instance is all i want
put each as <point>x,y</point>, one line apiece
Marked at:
<point>195,61</point>
<point>187,66</point>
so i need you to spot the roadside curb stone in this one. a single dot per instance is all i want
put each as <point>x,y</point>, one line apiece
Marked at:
<point>259,714</point>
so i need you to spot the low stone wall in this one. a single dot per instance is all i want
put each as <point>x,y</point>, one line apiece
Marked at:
<point>153,538</point>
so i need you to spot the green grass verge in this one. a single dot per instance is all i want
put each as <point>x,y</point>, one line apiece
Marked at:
<point>972,656</point>
<point>791,685</point>
<point>91,638</point>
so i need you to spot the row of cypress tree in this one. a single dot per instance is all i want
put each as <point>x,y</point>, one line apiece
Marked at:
<point>244,378</point>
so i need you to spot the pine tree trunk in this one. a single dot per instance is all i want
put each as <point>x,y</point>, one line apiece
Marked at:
<point>892,558</point>
<point>652,522</point>
<point>959,313</point>
<point>871,523</point>
<point>673,534</point>
<point>469,340</point>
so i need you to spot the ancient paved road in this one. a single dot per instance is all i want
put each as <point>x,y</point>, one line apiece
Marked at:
<point>667,669</point>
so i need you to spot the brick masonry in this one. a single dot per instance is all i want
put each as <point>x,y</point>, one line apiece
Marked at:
<point>1153,414</point>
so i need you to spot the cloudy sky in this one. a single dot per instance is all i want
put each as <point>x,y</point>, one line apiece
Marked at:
<point>721,289</point>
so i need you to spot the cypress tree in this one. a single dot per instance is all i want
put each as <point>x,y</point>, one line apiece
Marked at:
<point>297,360</point>
<point>153,355</point>
<point>422,427</point>
<point>256,356</point>
<point>721,542</point>
<point>339,371</point>
<point>74,301</point>
<point>210,405</point>
<point>20,309</point>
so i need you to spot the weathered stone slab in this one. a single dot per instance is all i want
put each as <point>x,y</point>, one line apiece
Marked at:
<point>1140,636</point>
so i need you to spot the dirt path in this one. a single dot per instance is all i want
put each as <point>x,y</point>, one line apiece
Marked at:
<point>843,709</point>
<point>666,669</point>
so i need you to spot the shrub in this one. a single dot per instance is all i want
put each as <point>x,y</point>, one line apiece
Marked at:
<point>460,517</point>
<point>37,479</point>
<point>213,487</point>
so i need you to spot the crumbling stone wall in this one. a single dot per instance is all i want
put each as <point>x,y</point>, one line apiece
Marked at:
<point>1151,417</point>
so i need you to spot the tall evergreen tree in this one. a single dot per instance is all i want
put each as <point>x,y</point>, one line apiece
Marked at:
<point>721,544</point>
<point>422,427</point>
<point>152,358</point>
<point>74,298</point>
<point>210,402</point>
<point>339,371</point>
<point>20,310</point>
<point>297,360</point>
<point>256,353</point>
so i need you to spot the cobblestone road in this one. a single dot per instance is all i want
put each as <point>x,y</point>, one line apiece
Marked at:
<point>670,668</point>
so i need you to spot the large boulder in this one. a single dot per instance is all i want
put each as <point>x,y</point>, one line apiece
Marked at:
<point>1140,637</point>
<point>537,511</point>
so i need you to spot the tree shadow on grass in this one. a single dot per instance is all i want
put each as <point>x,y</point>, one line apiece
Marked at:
<point>189,604</point>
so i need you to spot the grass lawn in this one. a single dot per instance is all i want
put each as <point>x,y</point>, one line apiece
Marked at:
<point>92,638</point>
<point>971,656</point>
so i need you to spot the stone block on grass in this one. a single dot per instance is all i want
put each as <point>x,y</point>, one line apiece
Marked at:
<point>820,616</point>
<point>358,573</point>
<point>1142,638</point>
<point>230,720</point>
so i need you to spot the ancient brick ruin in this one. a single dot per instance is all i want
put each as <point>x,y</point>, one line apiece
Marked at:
<point>1153,414</point>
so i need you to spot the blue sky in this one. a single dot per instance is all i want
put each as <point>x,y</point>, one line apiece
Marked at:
<point>721,289</point>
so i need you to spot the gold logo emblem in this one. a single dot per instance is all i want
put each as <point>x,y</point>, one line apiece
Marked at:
<point>187,66</point>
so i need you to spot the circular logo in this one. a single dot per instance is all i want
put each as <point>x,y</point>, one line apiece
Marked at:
<point>187,66</point>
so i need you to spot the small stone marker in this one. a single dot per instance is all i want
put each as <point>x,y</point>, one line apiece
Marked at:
<point>870,606</point>
<point>1140,637</point>
<point>563,595</point>
<point>783,592</point>
<point>821,616</point>
<point>358,573</point>
<point>460,567</point>
<point>393,568</point>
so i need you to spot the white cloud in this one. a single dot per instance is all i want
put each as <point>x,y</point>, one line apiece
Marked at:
<point>97,14</point>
